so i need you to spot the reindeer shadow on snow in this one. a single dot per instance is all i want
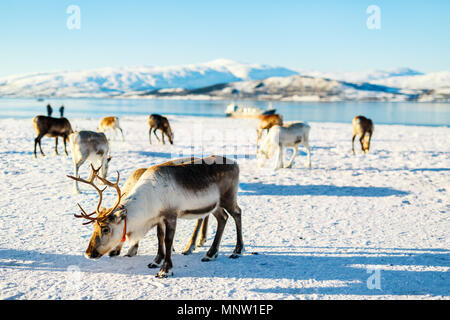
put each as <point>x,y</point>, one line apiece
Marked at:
<point>326,270</point>
<point>261,189</point>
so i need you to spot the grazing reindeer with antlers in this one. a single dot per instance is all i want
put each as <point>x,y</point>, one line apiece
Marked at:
<point>267,121</point>
<point>51,127</point>
<point>112,124</point>
<point>92,146</point>
<point>363,127</point>
<point>157,122</point>
<point>164,193</point>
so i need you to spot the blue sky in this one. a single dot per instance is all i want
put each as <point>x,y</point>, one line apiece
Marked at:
<point>311,35</point>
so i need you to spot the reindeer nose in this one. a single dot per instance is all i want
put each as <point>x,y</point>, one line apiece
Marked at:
<point>94,254</point>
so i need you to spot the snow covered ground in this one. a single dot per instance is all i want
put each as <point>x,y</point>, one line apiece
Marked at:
<point>370,226</point>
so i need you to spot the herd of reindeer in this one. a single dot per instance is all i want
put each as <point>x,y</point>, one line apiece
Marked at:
<point>188,188</point>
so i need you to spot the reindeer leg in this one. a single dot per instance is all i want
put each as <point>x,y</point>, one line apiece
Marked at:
<point>279,163</point>
<point>361,141</point>
<point>116,251</point>
<point>166,269</point>
<point>76,165</point>
<point>191,244</point>
<point>38,141</point>
<point>56,145</point>
<point>35,144</point>
<point>201,242</point>
<point>133,250</point>
<point>123,138</point>
<point>308,150</point>
<point>368,145</point>
<point>294,153</point>
<point>157,138</point>
<point>160,232</point>
<point>222,218</point>
<point>236,214</point>
<point>65,147</point>
<point>162,136</point>
<point>103,169</point>
<point>150,135</point>
<point>258,137</point>
<point>40,148</point>
<point>353,143</point>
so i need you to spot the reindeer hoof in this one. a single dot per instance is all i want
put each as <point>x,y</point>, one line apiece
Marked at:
<point>154,265</point>
<point>114,253</point>
<point>201,243</point>
<point>187,252</point>
<point>164,274</point>
<point>235,256</point>
<point>206,258</point>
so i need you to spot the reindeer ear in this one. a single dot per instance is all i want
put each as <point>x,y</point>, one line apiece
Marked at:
<point>119,215</point>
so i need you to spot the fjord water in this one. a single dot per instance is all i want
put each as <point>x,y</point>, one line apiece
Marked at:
<point>409,113</point>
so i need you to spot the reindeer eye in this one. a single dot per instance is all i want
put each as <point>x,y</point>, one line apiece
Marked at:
<point>105,230</point>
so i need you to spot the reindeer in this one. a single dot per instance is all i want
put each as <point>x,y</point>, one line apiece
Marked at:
<point>281,137</point>
<point>51,127</point>
<point>267,121</point>
<point>176,189</point>
<point>110,123</point>
<point>363,127</point>
<point>201,223</point>
<point>92,146</point>
<point>158,122</point>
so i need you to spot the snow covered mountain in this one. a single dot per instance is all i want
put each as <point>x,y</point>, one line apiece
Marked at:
<point>116,81</point>
<point>364,76</point>
<point>294,88</point>
<point>224,79</point>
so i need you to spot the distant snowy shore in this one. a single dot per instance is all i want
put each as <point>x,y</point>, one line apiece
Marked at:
<point>370,226</point>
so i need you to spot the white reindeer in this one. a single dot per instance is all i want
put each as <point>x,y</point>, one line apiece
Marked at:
<point>164,193</point>
<point>92,146</point>
<point>281,137</point>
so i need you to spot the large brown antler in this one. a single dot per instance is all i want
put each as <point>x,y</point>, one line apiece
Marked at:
<point>115,186</point>
<point>90,181</point>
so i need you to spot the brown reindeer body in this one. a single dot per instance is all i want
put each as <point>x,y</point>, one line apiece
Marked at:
<point>51,127</point>
<point>110,123</point>
<point>158,122</point>
<point>364,128</point>
<point>266,122</point>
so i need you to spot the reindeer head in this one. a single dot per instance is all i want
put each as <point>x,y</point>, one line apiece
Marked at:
<point>169,133</point>
<point>109,224</point>
<point>366,143</point>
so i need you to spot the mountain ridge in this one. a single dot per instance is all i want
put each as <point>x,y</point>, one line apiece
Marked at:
<point>191,79</point>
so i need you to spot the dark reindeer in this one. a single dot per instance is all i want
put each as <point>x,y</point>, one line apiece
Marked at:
<point>363,127</point>
<point>158,122</point>
<point>178,189</point>
<point>51,127</point>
